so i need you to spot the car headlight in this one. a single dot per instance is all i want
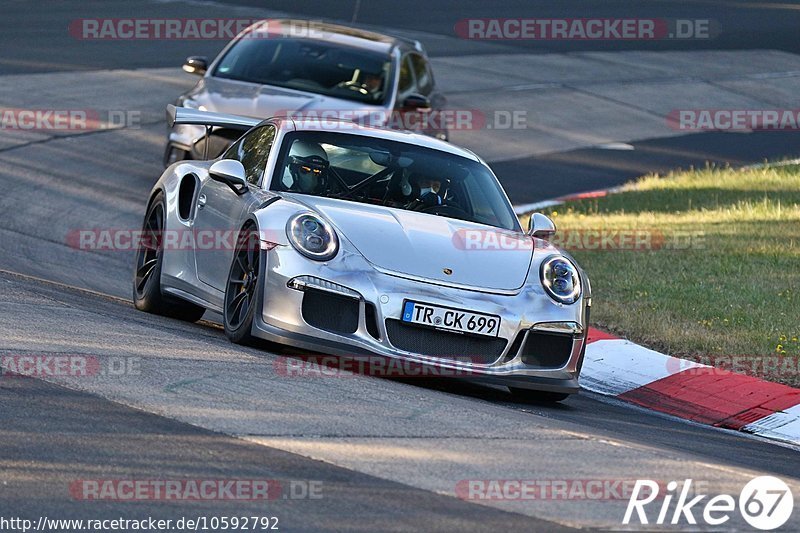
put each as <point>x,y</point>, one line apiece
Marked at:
<point>312,237</point>
<point>560,279</point>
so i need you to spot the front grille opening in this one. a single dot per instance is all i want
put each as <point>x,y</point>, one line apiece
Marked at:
<point>371,317</point>
<point>329,311</point>
<point>443,344</point>
<point>546,350</point>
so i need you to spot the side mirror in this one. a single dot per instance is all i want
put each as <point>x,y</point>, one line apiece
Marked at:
<point>416,101</point>
<point>231,173</point>
<point>541,226</point>
<point>196,65</point>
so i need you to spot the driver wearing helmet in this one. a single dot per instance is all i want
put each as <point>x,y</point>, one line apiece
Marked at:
<point>430,190</point>
<point>307,168</point>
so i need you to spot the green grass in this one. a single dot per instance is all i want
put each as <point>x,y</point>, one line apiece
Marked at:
<point>734,292</point>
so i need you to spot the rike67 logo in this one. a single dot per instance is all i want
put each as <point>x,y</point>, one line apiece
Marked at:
<point>765,503</point>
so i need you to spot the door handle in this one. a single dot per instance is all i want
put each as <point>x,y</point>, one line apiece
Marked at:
<point>201,201</point>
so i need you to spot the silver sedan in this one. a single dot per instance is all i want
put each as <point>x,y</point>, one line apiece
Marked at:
<point>310,68</point>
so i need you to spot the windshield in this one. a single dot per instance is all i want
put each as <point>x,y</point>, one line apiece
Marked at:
<point>307,65</point>
<point>399,175</point>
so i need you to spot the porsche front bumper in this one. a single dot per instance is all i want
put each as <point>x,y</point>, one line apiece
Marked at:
<point>348,307</point>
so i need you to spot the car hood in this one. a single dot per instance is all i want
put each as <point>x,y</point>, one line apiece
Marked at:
<point>426,246</point>
<point>264,101</point>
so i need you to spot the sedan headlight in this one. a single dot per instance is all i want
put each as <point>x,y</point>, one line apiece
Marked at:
<point>560,279</point>
<point>312,237</point>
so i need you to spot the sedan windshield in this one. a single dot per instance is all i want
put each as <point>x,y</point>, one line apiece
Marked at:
<point>308,65</point>
<point>364,169</point>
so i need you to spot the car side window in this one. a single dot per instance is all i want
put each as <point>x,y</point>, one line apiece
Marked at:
<point>252,151</point>
<point>422,72</point>
<point>406,84</point>
<point>233,150</point>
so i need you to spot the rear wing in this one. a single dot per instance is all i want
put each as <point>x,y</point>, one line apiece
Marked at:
<point>186,115</point>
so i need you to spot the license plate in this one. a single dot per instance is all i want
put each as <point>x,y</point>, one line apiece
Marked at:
<point>447,318</point>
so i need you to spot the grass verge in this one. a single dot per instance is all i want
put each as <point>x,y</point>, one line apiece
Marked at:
<point>703,265</point>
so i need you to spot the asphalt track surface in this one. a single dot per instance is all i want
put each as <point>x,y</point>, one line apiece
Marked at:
<point>56,435</point>
<point>37,32</point>
<point>36,29</point>
<point>530,179</point>
<point>74,301</point>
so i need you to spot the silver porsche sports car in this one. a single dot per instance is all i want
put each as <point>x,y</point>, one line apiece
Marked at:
<point>358,241</point>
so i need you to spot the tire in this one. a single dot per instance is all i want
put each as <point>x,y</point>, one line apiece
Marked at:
<point>534,396</point>
<point>243,288</point>
<point>147,294</point>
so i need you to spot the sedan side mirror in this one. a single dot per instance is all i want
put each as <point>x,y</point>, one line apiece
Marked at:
<point>416,101</point>
<point>231,173</point>
<point>196,65</point>
<point>541,226</point>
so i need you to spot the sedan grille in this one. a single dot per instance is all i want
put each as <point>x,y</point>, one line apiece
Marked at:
<point>443,344</point>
